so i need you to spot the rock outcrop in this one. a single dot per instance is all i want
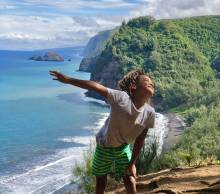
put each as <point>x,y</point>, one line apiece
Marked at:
<point>87,64</point>
<point>49,56</point>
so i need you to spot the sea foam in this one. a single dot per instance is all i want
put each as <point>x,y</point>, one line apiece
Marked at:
<point>51,176</point>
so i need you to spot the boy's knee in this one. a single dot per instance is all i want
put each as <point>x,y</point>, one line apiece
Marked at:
<point>132,179</point>
<point>130,184</point>
<point>129,179</point>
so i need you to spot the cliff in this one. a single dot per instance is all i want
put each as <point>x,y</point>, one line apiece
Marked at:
<point>109,78</point>
<point>87,64</point>
<point>94,47</point>
<point>96,44</point>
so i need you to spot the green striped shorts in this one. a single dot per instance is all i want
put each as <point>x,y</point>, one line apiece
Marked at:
<point>111,160</point>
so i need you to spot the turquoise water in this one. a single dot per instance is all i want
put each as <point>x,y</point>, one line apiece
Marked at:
<point>44,125</point>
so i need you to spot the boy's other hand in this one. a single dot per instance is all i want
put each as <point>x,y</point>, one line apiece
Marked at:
<point>131,170</point>
<point>59,76</point>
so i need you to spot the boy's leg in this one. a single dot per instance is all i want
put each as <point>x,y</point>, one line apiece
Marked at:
<point>101,165</point>
<point>130,184</point>
<point>123,160</point>
<point>101,182</point>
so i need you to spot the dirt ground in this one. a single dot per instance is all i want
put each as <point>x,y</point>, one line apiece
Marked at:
<point>202,180</point>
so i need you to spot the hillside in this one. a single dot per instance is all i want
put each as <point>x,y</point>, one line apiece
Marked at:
<point>182,57</point>
<point>164,49</point>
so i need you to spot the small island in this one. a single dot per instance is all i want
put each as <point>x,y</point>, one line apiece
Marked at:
<point>49,56</point>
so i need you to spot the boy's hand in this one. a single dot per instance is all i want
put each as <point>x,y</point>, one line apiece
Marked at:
<point>85,84</point>
<point>59,76</point>
<point>131,170</point>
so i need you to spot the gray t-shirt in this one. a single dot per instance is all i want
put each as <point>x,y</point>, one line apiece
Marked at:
<point>125,122</point>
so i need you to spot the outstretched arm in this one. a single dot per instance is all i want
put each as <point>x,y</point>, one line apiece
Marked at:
<point>85,84</point>
<point>138,144</point>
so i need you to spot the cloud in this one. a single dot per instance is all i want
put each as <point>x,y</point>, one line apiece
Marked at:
<point>6,6</point>
<point>33,24</point>
<point>35,32</point>
<point>81,4</point>
<point>175,8</point>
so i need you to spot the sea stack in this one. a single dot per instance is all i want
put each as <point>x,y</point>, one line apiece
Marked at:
<point>49,56</point>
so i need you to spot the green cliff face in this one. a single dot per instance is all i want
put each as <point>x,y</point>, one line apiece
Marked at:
<point>178,54</point>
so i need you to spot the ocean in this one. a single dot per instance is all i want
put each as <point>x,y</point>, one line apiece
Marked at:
<point>45,125</point>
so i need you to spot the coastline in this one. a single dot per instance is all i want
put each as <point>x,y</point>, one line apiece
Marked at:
<point>175,127</point>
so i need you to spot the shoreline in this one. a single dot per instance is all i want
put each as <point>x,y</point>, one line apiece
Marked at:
<point>175,127</point>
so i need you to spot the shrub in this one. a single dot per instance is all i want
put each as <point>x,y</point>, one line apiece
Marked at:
<point>82,171</point>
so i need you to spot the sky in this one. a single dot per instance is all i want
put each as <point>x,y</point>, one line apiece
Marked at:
<point>41,24</point>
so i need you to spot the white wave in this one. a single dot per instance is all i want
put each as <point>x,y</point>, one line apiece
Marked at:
<point>52,175</point>
<point>158,133</point>
<point>77,139</point>
<point>99,123</point>
<point>46,177</point>
<point>90,99</point>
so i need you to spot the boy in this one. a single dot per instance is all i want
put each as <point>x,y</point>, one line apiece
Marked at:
<point>129,120</point>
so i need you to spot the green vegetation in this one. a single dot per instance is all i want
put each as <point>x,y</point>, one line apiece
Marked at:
<point>183,58</point>
<point>83,171</point>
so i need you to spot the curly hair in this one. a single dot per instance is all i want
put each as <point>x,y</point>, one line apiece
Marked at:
<point>130,78</point>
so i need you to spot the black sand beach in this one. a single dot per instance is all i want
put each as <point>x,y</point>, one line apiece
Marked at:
<point>175,130</point>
